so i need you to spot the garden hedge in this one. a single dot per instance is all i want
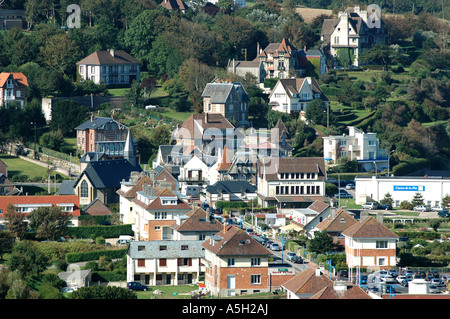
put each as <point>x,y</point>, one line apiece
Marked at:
<point>95,255</point>
<point>100,231</point>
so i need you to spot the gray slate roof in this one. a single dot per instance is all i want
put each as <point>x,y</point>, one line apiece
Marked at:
<point>151,249</point>
<point>227,187</point>
<point>97,123</point>
<point>219,92</point>
<point>106,174</point>
<point>67,188</point>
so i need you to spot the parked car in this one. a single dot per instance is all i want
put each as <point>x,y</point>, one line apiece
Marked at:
<point>435,281</point>
<point>363,279</point>
<point>444,213</point>
<point>338,67</point>
<point>385,207</point>
<point>434,289</point>
<point>249,230</point>
<point>343,274</point>
<point>343,194</point>
<point>122,242</point>
<point>434,273</point>
<point>437,208</point>
<point>421,208</point>
<point>444,279</point>
<point>331,181</point>
<point>393,272</point>
<point>369,206</point>
<point>350,186</point>
<point>275,247</point>
<point>388,279</point>
<point>422,274</point>
<point>297,259</point>
<point>268,243</point>
<point>135,285</point>
<point>290,255</point>
<point>400,279</point>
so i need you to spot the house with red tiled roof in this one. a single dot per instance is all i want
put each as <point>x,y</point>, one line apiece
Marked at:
<point>312,283</point>
<point>195,225</point>
<point>13,88</point>
<point>235,264</point>
<point>370,244</point>
<point>155,211</point>
<point>111,67</point>
<point>335,224</point>
<point>26,204</point>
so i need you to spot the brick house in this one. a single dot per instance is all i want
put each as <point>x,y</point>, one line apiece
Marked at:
<point>13,88</point>
<point>235,264</point>
<point>369,243</point>
<point>102,135</point>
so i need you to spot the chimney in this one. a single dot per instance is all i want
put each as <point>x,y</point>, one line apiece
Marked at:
<point>380,217</point>
<point>318,272</point>
<point>92,117</point>
<point>111,51</point>
<point>340,286</point>
<point>363,215</point>
<point>206,117</point>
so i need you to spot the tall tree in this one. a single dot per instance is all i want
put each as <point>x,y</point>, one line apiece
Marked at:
<point>15,222</point>
<point>49,222</point>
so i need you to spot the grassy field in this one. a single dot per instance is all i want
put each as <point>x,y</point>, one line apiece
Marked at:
<point>18,166</point>
<point>309,14</point>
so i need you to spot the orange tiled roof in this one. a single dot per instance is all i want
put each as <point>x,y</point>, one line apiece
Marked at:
<point>18,76</point>
<point>48,199</point>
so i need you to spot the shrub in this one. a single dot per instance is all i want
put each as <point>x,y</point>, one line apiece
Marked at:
<point>406,205</point>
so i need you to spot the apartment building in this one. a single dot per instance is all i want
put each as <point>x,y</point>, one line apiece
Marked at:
<point>356,145</point>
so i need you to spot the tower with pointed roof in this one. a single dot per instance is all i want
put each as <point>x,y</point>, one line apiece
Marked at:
<point>129,151</point>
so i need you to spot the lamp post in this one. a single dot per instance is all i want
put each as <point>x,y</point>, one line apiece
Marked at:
<point>35,137</point>
<point>389,159</point>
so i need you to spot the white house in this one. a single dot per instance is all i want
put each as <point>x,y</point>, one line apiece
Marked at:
<point>310,217</point>
<point>294,95</point>
<point>357,145</point>
<point>165,262</point>
<point>353,30</point>
<point>402,188</point>
<point>112,67</point>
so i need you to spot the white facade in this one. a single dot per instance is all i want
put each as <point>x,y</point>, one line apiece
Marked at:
<point>283,101</point>
<point>433,189</point>
<point>357,145</point>
<point>164,262</point>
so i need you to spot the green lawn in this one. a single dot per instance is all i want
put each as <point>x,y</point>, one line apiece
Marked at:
<point>169,292</point>
<point>18,166</point>
<point>118,91</point>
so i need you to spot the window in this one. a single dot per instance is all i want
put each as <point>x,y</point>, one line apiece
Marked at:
<point>382,244</point>
<point>160,215</point>
<point>141,248</point>
<point>84,189</point>
<point>163,247</point>
<point>184,262</point>
<point>184,247</point>
<point>230,262</point>
<point>255,279</point>
<point>256,261</point>
<point>163,262</point>
<point>141,263</point>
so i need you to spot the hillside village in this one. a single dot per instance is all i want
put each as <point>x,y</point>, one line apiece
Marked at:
<point>269,157</point>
